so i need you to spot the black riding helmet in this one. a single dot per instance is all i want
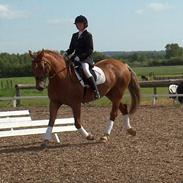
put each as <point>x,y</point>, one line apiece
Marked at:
<point>81,19</point>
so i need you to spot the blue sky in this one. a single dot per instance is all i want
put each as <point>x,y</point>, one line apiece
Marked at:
<point>116,25</point>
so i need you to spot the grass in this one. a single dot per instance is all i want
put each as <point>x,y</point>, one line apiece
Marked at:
<point>160,70</point>
<point>9,91</point>
<point>102,102</point>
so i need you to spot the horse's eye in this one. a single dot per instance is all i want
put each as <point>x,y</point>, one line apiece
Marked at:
<point>36,66</point>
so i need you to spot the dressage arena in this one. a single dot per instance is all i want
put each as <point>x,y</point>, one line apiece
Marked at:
<point>154,155</point>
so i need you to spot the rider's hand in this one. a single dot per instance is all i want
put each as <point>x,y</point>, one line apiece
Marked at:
<point>65,54</point>
<point>76,59</point>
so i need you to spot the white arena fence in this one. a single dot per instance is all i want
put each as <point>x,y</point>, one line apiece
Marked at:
<point>19,123</point>
<point>153,96</point>
<point>154,84</point>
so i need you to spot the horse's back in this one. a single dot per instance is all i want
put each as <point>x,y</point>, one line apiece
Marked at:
<point>117,72</point>
<point>113,65</point>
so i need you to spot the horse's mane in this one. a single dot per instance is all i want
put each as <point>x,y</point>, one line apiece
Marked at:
<point>54,53</point>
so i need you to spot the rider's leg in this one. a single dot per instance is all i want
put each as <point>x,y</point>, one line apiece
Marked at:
<point>86,70</point>
<point>90,79</point>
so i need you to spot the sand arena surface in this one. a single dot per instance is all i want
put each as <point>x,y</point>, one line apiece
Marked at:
<point>154,155</point>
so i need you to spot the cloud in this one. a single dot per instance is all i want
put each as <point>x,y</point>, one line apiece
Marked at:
<point>154,8</point>
<point>57,21</point>
<point>159,7</point>
<point>7,13</point>
<point>140,11</point>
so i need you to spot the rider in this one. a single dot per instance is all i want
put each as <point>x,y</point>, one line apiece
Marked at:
<point>81,49</point>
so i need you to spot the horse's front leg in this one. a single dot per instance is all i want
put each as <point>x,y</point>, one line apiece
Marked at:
<point>53,108</point>
<point>77,114</point>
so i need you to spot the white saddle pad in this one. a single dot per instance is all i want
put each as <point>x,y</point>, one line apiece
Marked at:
<point>99,73</point>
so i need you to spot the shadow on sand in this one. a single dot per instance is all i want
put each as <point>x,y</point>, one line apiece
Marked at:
<point>36,147</point>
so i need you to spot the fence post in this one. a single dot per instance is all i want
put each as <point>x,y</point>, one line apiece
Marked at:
<point>17,95</point>
<point>14,102</point>
<point>154,97</point>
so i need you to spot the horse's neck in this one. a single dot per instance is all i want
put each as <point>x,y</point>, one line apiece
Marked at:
<point>57,65</point>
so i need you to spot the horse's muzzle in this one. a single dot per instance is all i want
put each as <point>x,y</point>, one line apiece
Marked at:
<point>40,85</point>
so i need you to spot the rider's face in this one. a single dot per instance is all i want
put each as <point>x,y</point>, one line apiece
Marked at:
<point>80,26</point>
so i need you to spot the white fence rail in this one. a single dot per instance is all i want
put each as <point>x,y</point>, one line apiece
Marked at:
<point>153,96</point>
<point>144,84</point>
<point>19,123</point>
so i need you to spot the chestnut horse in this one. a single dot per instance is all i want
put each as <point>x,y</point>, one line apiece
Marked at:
<point>65,88</point>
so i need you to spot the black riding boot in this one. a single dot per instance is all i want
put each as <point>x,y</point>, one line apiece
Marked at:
<point>93,86</point>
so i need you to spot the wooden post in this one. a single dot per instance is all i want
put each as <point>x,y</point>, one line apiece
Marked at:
<point>14,102</point>
<point>154,97</point>
<point>17,95</point>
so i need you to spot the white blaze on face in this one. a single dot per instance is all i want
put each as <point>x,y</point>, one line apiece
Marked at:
<point>173,88</point>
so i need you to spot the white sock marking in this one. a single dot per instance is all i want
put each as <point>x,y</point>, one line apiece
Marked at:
<point>126,121</point>
<point>109,127</point>
<point>48,134</point>
<point>83,132</point>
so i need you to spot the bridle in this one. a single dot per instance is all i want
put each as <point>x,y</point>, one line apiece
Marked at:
<point>55,73</point>
<point>47,74</point>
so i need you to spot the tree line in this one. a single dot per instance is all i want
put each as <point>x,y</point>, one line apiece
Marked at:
<point>13,65</point>
<point>172,55</point>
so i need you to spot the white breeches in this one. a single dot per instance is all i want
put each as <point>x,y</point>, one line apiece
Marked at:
<point>86,70</point>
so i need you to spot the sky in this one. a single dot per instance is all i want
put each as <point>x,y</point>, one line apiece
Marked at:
<point>116,25</point>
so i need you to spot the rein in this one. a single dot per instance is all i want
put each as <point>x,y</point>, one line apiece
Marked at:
<point>55,73</point>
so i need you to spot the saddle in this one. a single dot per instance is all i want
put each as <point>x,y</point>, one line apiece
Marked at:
<point>96,72</point>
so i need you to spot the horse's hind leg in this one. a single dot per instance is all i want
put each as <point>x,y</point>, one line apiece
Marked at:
<point>126,119</point>
<point>113,115</point>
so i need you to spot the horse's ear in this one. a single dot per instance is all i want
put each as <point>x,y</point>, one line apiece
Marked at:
<point>41,53</point>
<point>31,54</point>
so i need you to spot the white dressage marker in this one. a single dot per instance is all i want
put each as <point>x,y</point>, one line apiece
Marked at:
<point>19,123</point>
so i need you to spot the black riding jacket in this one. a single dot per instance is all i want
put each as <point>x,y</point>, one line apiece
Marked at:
<point>83,46</point>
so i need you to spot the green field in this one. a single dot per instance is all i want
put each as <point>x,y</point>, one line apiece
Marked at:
<point>8,90</point>
<point>160,70</point>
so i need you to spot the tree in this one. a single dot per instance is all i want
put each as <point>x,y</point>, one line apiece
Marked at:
<point>97,56</point>
<point>173,50</point>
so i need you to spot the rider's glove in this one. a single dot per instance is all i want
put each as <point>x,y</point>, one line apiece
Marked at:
<point>65,54</point>
<point>76,59</point>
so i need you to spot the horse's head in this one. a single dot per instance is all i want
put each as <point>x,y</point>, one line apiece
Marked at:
<point>40,69</point>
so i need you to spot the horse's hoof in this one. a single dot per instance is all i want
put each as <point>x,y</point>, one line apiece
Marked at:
<point>104,139</point>
<point>90,137</point>
<point>131,132</point>
<point>45,144</point>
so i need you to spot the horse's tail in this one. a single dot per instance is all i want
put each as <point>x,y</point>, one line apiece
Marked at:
<point>134,89</point>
